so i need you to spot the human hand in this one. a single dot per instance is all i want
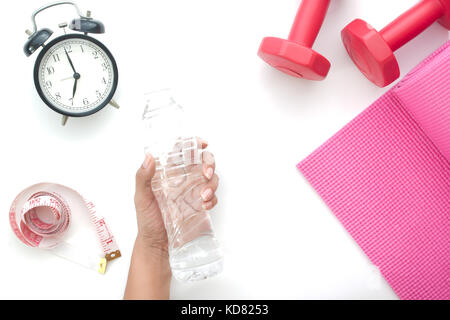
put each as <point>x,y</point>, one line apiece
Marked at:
<point>150,274</point>
<point>151,229</point>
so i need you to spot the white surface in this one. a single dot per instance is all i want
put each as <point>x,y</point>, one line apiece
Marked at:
<point>280,239</point>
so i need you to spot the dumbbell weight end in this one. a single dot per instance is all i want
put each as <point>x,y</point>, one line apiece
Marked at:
<point>373,51</point>
<point>295,56</point>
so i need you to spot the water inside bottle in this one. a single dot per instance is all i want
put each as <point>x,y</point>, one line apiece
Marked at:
<point>194,251</point>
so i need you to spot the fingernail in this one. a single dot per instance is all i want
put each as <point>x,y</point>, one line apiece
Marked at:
<point>148,159</point>
<point>205,206</point>
<point>209,173</point>
<point>207,194</point>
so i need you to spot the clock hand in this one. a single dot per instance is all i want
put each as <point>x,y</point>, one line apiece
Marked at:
<point>75,85</point>
<point>74,90</point>
<point>70,61</point>
<point>77,77</point>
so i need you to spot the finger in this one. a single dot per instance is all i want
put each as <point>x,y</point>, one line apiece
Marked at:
<point>202,143</point>
<point>210,189</point>
<point>210,205</point>
<point>209,165</point>
<point>144,194</point>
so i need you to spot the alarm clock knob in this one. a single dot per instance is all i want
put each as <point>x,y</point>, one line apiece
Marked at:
<point>36,40</point>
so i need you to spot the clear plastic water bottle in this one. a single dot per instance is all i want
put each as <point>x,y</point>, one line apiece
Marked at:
<point>194,251</point>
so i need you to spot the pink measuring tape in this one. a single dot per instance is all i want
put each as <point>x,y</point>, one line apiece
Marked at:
<point>41,217</point>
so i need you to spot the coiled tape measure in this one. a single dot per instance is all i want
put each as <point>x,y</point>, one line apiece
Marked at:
<point>41,217</point>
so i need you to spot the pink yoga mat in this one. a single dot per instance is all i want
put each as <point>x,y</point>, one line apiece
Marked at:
<point>386,176</point>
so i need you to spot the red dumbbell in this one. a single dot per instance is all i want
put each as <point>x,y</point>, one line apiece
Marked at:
<point>295,55</point>
<point>373,52</point>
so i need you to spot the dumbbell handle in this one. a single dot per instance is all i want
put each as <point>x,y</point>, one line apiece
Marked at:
<point>412,23</point>
<point>309,20</point>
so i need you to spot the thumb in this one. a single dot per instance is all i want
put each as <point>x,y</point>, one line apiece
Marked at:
<point>144,193</point>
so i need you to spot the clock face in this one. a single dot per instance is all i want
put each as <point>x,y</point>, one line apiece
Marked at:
<point>76,75</point>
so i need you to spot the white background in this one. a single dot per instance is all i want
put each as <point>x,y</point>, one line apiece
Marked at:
<point>280,239</point>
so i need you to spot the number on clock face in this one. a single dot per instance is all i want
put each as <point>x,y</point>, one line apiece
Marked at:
<point>76,76</point>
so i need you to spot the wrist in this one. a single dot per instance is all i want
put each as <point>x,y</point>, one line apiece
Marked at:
<point>155,256</point>
<point>157,247</point>
<point>156,259</point>
<point>152,249</point>
<point>150,274</point>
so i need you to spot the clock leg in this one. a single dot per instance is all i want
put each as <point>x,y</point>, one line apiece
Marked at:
<point>64,120</point>
<point>114,104</point>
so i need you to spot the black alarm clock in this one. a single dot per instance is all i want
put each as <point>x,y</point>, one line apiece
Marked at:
<point>75,75</point>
